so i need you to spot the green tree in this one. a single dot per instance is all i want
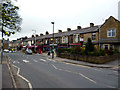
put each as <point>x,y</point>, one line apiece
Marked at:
<point>89,46</point>
<point>10,19</point>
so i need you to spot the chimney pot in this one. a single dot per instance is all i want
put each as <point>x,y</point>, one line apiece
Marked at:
<point>91,24</point>
<point>59,31</point>
<point>36,35</point>
<point>41,34</point>
<point>68,29</point>
<point>47,33</point>
<point>78,27</point>
<point>32,35</point>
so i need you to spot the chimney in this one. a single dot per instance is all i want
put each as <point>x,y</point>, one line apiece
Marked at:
<point>47,33</point>
<point>68,29</point>
<point>59,31</point>
<point>36,35</point>
<point>32,35</point>
<point>25,37</point>
<point>41,34</point>
<point>78,27</point>
<point>91,24</point>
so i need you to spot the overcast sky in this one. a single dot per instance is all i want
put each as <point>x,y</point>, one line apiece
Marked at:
<point>38,14</point>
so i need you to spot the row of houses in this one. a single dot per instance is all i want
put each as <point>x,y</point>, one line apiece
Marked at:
<point>103,36</point>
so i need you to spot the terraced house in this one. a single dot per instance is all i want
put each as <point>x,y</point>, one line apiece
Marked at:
<point>105,36</point>
<point>110,34</point>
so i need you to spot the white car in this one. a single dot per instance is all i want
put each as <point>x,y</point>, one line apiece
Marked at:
<point>6,50</point>
<point>28,51</point>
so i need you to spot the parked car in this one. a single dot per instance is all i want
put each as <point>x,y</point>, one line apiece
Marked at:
<point>6,50</point>
<point>28,51</point>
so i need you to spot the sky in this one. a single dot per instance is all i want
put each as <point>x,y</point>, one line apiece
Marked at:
<point>38,15</point>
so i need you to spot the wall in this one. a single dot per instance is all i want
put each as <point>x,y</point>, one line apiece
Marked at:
<point>111,23</point>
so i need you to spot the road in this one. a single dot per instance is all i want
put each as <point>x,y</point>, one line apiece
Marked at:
<point>42,72</point>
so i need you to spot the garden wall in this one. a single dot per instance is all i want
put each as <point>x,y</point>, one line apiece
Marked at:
<point>91,59</point>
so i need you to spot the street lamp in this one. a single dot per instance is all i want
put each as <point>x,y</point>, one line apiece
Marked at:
<point>3,5</point>
<point>53,40</point>
<point>35,40</point>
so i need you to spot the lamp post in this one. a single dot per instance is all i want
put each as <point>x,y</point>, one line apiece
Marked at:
<point>35,39</point>
<point>3,5</point>
<point>53,40</point>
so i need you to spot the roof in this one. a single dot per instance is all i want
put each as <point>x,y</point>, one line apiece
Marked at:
<point>67,33</point>
<point>110,18</point>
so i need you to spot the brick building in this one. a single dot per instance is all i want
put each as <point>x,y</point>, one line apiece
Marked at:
<point>105,36</point>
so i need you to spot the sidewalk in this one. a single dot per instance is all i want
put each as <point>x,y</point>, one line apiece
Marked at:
<point>5,77</point>
<point>113,64</point>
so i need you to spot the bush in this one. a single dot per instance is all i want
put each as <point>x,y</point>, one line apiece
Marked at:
<point>102,52</point>
<point>89,46</point>
<point>94,53</point>
<point>109,52</point>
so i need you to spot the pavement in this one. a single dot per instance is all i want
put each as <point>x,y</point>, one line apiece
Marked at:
<point>5,76</point>
<point>113,64</point>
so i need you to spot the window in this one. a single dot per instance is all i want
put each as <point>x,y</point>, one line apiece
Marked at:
<point>76,38</point>
<point>46,41</point>
<point>93,36</point>
<point>56,40</point>
<point>111,33</point>
<point>66,39</point>
<point>63,39</point>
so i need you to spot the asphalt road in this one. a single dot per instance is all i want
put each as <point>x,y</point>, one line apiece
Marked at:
<point>42,72</point>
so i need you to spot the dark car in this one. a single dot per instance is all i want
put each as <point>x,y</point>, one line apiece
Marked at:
<point>28,51</point>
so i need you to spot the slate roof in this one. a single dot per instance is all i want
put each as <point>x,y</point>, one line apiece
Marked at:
<point>67,33</point>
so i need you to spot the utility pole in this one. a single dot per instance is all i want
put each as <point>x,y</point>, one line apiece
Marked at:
<point>53,40</point>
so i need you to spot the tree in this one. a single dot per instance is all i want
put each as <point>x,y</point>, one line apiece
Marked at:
<point>10,19</point>
<point>89,46</point>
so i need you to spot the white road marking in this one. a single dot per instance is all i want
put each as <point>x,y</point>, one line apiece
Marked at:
<point>25,61</point>
<point>12,76</point>
<point>77,65</point>
<point>16,62</point>
<point>29,84</point>
<point>55,66</point>
<point>74,73</point>
<point>43,60</point>
<point>51,60</point>
<point>35,60</point>
<point>13,61</point>
<point>87,78</point>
